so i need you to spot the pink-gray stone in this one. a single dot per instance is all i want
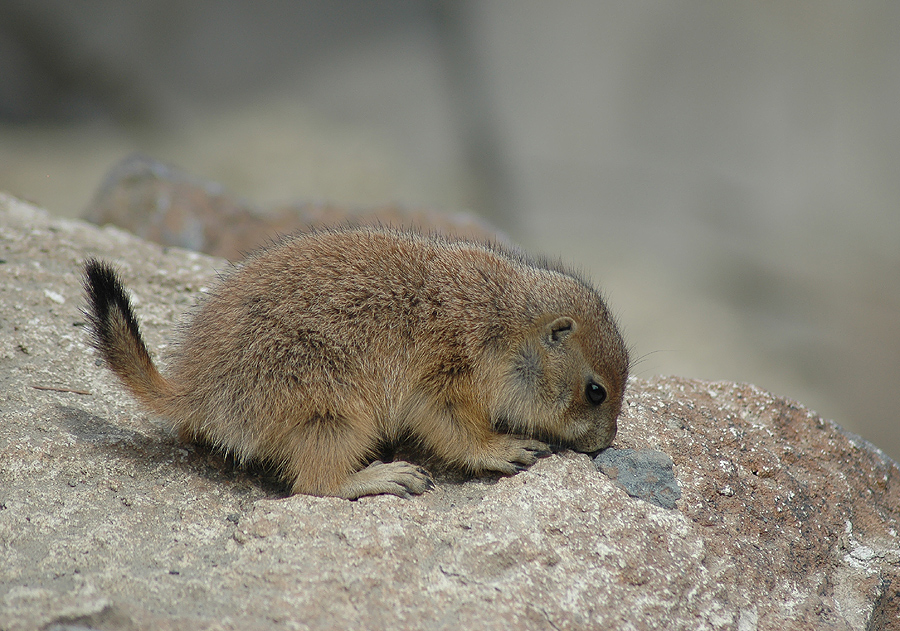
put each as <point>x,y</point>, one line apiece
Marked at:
<point>108,522</point>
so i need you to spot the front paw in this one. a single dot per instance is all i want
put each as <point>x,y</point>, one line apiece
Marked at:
<point>526,451</point>
<point>517,454</point>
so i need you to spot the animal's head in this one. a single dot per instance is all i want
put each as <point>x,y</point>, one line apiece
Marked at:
<point>566,380</point>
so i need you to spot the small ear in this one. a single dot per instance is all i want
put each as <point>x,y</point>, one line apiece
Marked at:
<point>558,330</point>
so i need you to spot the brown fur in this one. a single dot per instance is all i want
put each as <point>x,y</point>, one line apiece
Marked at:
<point>314,352</point>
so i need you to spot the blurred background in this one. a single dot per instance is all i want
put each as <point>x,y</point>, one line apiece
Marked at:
<point>728,172</point>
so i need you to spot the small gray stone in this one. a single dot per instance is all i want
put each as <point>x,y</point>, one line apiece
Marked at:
<point>643,473</point>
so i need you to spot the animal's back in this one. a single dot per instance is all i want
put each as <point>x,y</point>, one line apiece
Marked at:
<point>334,317</point>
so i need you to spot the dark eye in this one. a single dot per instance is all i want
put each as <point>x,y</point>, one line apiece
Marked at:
<point>595,393</point>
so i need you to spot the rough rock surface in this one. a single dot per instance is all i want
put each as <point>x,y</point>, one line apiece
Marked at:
<point>107,522</point>
<point>163,204</point>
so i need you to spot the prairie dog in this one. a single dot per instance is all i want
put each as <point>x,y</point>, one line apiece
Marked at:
<point>315,352</point>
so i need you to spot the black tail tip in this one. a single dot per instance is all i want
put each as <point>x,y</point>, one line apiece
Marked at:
<point>105,291</point>
<point>102,287</point>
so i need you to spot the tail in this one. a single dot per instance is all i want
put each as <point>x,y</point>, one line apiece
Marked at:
<point>116,335</point>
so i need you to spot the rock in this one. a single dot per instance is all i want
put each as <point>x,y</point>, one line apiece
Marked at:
<point>106,521</point>
<point>643,473</point>
<point>163,204</point>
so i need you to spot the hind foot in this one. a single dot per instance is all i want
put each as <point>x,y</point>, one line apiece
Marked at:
<point>393,478</point>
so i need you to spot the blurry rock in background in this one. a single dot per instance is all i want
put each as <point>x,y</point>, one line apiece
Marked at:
<point>161,203</point>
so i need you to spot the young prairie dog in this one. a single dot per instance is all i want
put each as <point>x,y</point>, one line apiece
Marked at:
<point>316,352</point>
